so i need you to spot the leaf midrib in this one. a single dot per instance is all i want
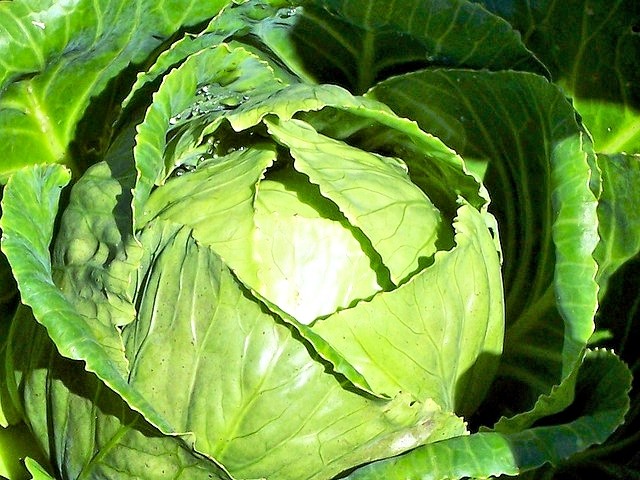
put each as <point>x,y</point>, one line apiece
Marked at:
<point>50,137</point>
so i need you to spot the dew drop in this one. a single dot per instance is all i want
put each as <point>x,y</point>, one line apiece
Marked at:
<point>230,101</point>
<point>287,12</point>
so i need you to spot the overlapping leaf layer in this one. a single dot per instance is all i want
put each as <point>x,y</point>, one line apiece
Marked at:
<point>317,239</point>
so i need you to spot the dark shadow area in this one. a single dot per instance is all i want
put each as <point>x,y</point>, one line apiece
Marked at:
<point>599,406</point>
<point>358,52</point>
<point>95,130</point>
<point>120,163</point>
<point>8,288</point>
<point>605,68</point>
<point>472,388</point>
<point>619,314</point>
<point>332,61</point>
<point>619,311</point>
<point>530,365</point>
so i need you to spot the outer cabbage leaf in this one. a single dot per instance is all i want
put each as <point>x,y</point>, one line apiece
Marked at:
<point>8,303</point>
<point>232,24</point>
<point>27,229</point>
<point>618,214</point>
<point>14,442</point>
<point>618,316</point>
<point>540,174</point>
<point>85,429</point>
<point>591,49</point>
<point>365,41</point>
<point>57,56</point>
<point>94,258</point>
<point>601,404</point>
<point>618,254</point>
<point>362,41</point>
<point>36,368</point>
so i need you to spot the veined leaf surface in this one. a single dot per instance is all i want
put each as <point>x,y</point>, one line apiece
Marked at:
<point>86,429</point>
<point>27,229</point>
<point>219,365</point>
<point>405,339</point>
<point>489,454</point>
<point>366,41</point>
<point>540,170</point>
<point>42,102</point>
<point>591,49</point>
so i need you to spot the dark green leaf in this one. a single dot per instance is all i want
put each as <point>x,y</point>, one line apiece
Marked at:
<point>356,43</point>
<point>618,214</point>
<point>601,404</point>
<point>591,48</point>
<point>619,312</point>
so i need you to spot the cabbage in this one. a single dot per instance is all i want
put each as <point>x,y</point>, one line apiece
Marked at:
<point>315,239</point>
